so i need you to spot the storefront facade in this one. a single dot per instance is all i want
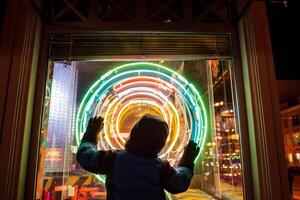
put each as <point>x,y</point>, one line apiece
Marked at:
<point>32,43</point>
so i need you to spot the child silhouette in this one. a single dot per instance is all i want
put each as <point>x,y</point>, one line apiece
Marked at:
<point>136,173</point>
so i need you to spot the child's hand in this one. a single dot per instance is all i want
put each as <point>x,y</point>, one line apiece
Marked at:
<point>94,127</point>
<point>190,152</point>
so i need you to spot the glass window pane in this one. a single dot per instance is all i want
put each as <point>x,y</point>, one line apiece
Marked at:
<point>195,97</point>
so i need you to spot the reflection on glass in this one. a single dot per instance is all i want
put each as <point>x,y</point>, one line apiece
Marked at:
<point>218,170</point>
<point>220,165</point>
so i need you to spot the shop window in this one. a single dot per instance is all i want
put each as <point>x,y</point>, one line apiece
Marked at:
<point>78,90</point>
<point>296,138</point>
<point>298,156</point>
<point>290,158</point>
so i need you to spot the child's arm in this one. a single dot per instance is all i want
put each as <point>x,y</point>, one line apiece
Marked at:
<point>89,157</point>
<point>93,160</point>
<point>178,180</point>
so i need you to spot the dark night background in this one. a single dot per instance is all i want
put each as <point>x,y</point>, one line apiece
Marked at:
<point>282,38</point>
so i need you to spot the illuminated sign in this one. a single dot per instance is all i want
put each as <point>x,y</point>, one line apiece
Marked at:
<point>53,154</point>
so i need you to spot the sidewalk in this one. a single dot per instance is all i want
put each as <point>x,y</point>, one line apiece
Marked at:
<point>231,192</point>
<point>193,194</point>
<point>227,190</point>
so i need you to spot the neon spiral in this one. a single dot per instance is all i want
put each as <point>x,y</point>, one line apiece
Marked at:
<point>127,92</point>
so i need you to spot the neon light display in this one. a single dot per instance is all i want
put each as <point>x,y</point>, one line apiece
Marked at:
<point>127,92</point>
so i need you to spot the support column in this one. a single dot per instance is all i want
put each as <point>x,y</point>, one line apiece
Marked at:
<point>19,48</point>
<point>269,172</point>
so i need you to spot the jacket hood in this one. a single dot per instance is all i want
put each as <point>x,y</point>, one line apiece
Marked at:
<point>147,137</point>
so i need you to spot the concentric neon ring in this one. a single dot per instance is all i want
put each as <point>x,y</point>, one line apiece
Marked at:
<point>127,92</point>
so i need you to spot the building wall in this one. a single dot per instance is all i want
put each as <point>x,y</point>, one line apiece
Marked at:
<point>269,172</point>
<point>290,123</point>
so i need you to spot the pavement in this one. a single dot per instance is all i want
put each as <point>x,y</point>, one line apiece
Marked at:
<point>192,194</point>
<point>227,190</point>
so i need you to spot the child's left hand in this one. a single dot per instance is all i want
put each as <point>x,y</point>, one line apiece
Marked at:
<point>190,153</point>
<point>94,127</point>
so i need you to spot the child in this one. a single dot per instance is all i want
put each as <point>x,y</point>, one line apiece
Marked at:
<point>136,173</point>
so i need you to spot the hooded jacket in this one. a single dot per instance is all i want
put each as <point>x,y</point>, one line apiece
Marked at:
<point>136,173</point>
